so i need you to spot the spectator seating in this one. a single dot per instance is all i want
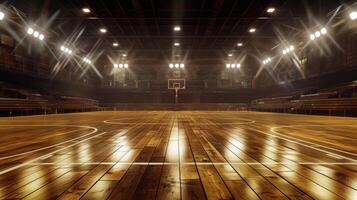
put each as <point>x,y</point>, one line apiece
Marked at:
<point>337,100</point>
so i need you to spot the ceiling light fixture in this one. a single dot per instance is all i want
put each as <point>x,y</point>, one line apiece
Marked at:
<point>233,65</point>
<point>323,31</point>
<point>103,30</point>
<point>35,34</point>
<point>270,10</point>
<point>86,10</point>
<point>353,15</point>
<point>2,15</point>
<point>289,49</point>
<point>85,59</point>
<point>317,34</point>
<point>266,61</point>
<point>252,30</point>
<point>177,28</point>
<point>66,50</point>
<point>30,31</point>
<point>312,37</point>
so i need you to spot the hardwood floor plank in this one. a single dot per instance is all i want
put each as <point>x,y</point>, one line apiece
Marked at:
<point>214,186</point>
<point>100,190</point>
<point>169,187</point>
<point>55,188</point>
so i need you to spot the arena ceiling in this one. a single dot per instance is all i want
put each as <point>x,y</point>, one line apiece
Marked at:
<point>144,29</point>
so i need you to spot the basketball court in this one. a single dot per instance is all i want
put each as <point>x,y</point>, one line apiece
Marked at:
<point>173,155</point>
<point>178,100</point>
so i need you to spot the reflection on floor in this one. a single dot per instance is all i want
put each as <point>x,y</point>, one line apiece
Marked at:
<point>178,155</point>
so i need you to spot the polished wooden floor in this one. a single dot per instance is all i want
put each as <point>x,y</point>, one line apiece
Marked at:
<point>178,155</point>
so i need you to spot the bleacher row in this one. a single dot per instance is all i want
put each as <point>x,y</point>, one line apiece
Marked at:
<point>22,102</point>
<point>339,100</point>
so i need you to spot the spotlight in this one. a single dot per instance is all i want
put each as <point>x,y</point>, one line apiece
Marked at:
<point>312,37</point>
<point>2,15</point>
<point>85,59</point>
<point>182,65</point>
<point>270,10</point>
<point>240,44</point>
<point>171,66</point>
<point>266,61</point>
<point>67,50</point>
<point>353,15</point>
<point>120,65</point>
<point>177,65</point>
<point>86,10</point>
<point>126,66</point>
<point>115,44</point>
<point>30,31</point>
<point>233,66</point>
<point>116,65</point>
<point>252,30</point>
<point>230,55</point>
<point>323,31</point>
<point>317,34</point>
<point>124,55</point>
<point>36,34</point>
<point>287,50</point>
<point>177,28</point>
<point>176,44</point>
<point>103,30</point>
<point>41,37</point>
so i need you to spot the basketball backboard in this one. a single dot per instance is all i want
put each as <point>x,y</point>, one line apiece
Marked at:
<point>176,84</point>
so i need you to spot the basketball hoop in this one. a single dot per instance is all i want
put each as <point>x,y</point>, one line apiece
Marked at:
<point>176,84</point>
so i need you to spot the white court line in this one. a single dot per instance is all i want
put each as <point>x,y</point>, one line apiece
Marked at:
<point>113,121</point>
<point>273,129</point>
<point>334,156</point>
<point>302,144</point>
<point>53,152</point>
<point>46,155</point>
<point>51,146</point>
<point>197,163</point>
